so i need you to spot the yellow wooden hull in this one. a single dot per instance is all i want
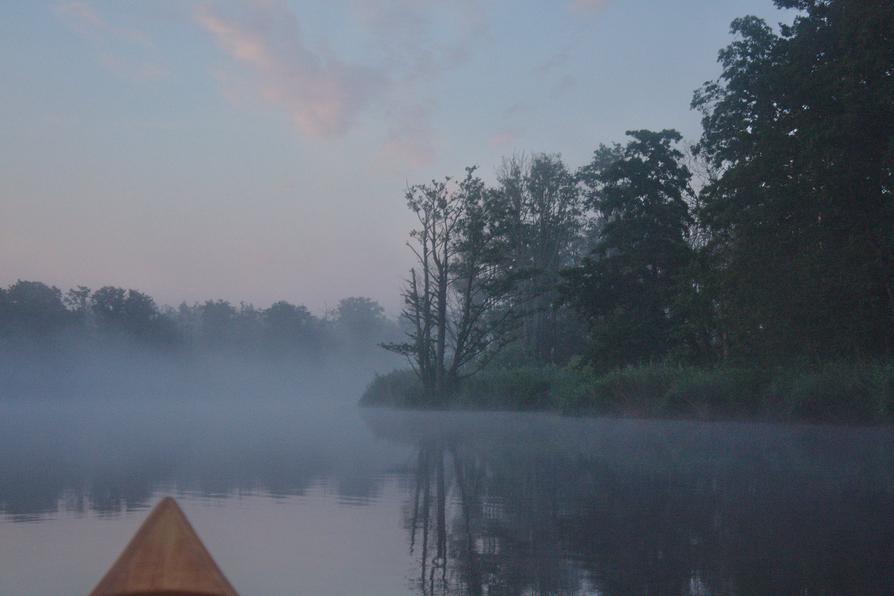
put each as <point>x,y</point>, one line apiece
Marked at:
<point>167,557</point>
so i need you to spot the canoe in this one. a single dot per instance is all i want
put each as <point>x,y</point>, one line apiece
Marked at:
<point>167,557</point>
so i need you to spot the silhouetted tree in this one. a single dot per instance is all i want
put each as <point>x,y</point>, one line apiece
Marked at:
<point>800,126</point>
<point>32,308</point>
<point>289,327</point>
<point>626,288</point>
<point>537,215</point>
<point>457,298</point>
<point>217,320</point>
<point>77,300</point>
<point>129,313</point>
<point>363,319</point>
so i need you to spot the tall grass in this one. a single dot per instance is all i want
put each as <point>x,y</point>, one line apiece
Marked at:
<point>399,388</point>
<point>852,392</point>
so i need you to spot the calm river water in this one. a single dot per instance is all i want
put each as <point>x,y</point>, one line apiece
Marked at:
<point>299,499</point>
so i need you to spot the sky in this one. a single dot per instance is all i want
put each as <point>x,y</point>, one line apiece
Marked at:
<point>259,150</point>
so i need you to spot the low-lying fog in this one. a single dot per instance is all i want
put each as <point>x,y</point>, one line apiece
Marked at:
<point>251,422</point>
<point>122,370</point>
<point>305,491</point>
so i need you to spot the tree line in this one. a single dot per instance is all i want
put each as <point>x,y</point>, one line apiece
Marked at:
<point>35,314</point>
<point>770,239</point>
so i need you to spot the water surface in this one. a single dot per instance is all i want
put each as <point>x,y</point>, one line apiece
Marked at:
<point>327,499</point>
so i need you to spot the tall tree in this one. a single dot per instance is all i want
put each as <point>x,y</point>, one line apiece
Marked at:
<point>217,319</point>
<point>456,299</point>
<point>290,327</point>
<point>537,213</point>
<point>130,313</point>
<point>32,308</point>
<point>627,286</point>
<point>800,127</point>
<point>362,320</point>
<point>77,300</point>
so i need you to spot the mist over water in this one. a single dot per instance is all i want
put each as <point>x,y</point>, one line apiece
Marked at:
<point>227,230</point>
<point>69,367</point>
<point>304,492</point>
<point>295,489</point>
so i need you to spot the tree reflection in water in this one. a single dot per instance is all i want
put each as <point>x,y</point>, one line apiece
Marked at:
<point>467,541</point>
<point>622,507</point>
<point>493,503</point>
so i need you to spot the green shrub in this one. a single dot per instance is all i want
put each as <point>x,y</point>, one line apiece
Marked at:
<point>573,391</point>
<point>838,391</point>
<point>523,388</point>
<point>834,392</point>
<point>634,391</point>
<point>399,388</point>
<point>715,392</point>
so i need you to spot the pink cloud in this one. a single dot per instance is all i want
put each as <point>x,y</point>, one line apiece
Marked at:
<point>84,18</point>
<point>321,94</point>
<point>108,40</point>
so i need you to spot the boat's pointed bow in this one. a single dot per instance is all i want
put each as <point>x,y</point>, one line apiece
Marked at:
<point>165,556</point>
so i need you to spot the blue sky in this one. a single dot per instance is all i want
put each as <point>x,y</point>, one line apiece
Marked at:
<point>259,150</point>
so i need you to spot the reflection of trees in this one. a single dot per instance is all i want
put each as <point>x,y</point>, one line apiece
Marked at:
<point>467,540</point>
<point>81,457</point>
<point>433,551</point>
<point>655,509</point>
<point>509,504</point>
<point>35,482</point>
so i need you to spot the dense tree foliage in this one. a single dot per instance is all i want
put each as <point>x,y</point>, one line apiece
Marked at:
<point>32,308</point>
<point>627,285</point>
<point>784,250</point>
<point>34,314</point>
<point>536,213</point>
<point>800,127</point>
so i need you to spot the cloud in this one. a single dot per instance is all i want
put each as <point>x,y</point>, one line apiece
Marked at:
<point>420,41</point>
<point>408,45</point>
<point>113,43</point>
<point>322,94</point>
<point>80,14</point>
<point>423,39</point>
<point>86,20</point>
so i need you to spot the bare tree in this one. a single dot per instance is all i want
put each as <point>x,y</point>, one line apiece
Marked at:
<point>456,298</point>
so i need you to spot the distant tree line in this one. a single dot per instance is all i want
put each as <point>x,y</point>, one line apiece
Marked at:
<point>33,314</point>
<point>769,239</point>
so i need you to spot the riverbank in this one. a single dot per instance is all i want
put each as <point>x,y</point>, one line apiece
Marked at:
<point>841,392</point>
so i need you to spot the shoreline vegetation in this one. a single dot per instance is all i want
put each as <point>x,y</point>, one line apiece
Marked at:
<point>118,342</point>
<point>834,392</point>
<point>747,275</point>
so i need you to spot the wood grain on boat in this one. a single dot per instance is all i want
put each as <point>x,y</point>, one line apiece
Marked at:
<point>165,556</point>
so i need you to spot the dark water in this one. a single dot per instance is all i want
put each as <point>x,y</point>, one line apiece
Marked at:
<point>295,499</point>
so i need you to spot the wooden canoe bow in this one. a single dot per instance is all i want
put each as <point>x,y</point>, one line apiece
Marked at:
<point>167,557</point>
